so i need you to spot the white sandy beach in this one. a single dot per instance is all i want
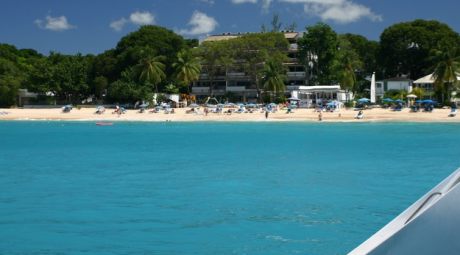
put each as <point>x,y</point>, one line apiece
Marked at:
<point>88,114</point>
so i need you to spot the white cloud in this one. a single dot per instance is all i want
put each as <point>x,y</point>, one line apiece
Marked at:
<point>136,18</point>
<point>142,18</point>
<point>118,25</point>
<point>340,11</point>
<point>244,1</point>
<point>200,24</point>
<point>54,23</point>
<point>266,4</point>
<point>210,2</point>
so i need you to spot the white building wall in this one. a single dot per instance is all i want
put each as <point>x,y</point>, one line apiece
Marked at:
<point>398,85</point>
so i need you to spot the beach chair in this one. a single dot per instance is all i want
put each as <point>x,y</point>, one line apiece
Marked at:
<point>415,108</point>
<point>66,108</point>
<point>428,108</point>
<point>240,110</point>
<point>100,110</point>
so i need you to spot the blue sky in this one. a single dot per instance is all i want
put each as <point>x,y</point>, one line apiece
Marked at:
<point>93,26</point>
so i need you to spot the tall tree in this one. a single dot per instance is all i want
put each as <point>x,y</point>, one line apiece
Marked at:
<point>347,63</point>
<point>318,49</point>
<point>274,75</point>
<point>150,41</point>
<point>366,51</point>
<point>187,67</point>
<point>151,71</point>
<point>276,23</point>
<point>446,71</point>
<point>405,47</point>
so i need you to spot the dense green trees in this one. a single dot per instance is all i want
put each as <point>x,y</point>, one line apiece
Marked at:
<point>156,59</point>
<point>318,50</point>
<point>16,67</point>
<point>446,71</point>
<point>405,47</point>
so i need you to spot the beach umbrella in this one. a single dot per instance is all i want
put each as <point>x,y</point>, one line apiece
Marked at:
<point>230,105</point>
<point>428,101</point>
<point>419,101</point>
<point>387,100</point>
<point>293,99</point>
<point>364,100</point>
<point>251,105</point>
<point>143,105</point>
<point>193,105</point>
<point>411,96</point>
<point>399,101</point>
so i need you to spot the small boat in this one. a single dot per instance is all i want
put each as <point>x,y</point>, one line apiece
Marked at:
<point>104,123</point>
<point>429,226</point>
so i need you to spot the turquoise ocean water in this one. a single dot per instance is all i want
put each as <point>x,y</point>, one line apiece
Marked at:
<point>212,188</point>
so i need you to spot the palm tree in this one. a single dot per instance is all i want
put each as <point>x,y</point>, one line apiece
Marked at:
<point>445,71</point>
<point>188,67</point>
<point>347,63</point>
<point>347,76</point>
<point>152,70</point>
<point>419,92</point>
<point>274,77</point>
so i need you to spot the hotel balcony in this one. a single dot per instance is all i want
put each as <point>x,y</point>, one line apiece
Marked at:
<point>236,89</point>
<point>236,75</point>
<point>292,61</point>
<point>298,75</point>
<point>200,90</point>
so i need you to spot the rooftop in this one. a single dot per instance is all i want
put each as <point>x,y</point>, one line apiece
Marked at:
<point>227,36</point>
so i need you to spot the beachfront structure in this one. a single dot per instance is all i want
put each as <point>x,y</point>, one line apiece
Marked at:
<point>239,85</point>
<point>26,97</point>
<point>427,84</point>
<point>310,96</point>
<point>395,83</point>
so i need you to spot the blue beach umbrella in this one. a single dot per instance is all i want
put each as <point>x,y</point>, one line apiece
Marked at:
<point>399,101</point>
<point>364,100</point>
<point>387,100</point>
<point>418,101</point>
<point>428,101</point>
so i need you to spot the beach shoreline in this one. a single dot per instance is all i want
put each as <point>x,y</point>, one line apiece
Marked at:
<point>180,115</point>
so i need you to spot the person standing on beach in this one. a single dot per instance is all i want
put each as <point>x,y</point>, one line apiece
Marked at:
<point>266,114</point>
<point>320,116</point>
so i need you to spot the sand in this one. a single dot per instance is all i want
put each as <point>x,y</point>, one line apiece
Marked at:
<point>304,115</point>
